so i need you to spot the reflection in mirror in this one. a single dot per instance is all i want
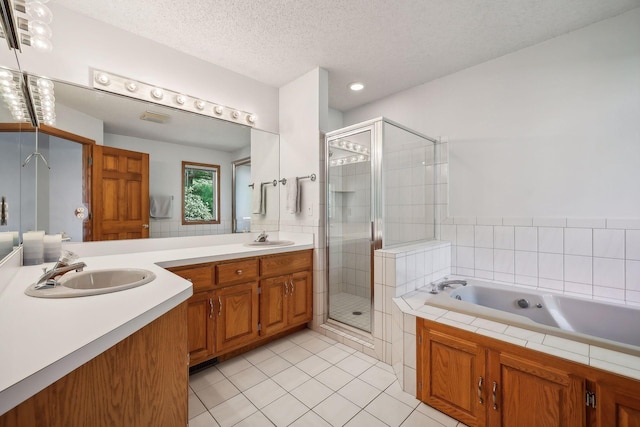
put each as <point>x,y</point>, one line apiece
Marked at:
<point>241,195</point>
<point>11,158</point>
<point>169,137</point>
<point>200,193</point>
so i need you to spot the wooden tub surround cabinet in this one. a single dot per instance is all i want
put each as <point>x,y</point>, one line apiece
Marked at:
<point>482,381</point>
<point>139,382</point>
<point>238,304</point>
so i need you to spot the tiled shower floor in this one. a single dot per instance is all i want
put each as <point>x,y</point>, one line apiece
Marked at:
<point>305,379</point>
<point>343,305</point>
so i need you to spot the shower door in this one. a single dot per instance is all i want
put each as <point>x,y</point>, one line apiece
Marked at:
<point>350,224</point>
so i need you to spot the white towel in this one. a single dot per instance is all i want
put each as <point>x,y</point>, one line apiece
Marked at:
<point>294,195</point>
<point>259,199</point>
<point>161,206</point>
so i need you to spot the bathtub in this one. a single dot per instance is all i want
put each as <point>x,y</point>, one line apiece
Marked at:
<point>575,317</point>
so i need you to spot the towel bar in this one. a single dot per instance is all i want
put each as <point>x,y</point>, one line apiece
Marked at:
<point>312,177</point>
<point>274,183</point>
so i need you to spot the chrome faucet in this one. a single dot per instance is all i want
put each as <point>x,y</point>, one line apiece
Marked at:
<point>446,283</point>
<point>64,265</point>
<point>262,237</point>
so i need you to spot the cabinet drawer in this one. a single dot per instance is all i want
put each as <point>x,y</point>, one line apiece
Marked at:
<point>237,271</point>
<point>201,277</point>
<point>285,263</point>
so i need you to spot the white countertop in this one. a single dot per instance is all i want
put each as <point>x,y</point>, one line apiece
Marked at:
<point>42,339</point>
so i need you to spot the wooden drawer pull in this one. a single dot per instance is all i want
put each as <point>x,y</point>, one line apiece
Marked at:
<point>238,272</point>
<point>210,308</point>
<point>480,400</point>
<point>493,395</point>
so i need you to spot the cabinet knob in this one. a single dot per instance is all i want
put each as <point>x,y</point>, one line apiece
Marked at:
<point>239,271</point>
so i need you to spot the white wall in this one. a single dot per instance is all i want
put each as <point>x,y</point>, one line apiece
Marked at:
<point>77,122</point>
<point>65,187</point>
<point>300,125</point>
<point>547,131</point>
<point>81,42</point>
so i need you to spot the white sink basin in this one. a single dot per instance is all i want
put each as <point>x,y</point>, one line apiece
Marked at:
<point>271,243</point>
<point>94,282</point>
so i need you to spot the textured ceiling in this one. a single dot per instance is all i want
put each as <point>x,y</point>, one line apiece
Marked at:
<point>390,45</point>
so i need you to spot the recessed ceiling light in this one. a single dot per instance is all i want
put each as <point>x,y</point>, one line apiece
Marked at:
<point>357,86</point>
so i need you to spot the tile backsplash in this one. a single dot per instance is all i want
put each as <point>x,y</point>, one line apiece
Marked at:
<point>587,257</point>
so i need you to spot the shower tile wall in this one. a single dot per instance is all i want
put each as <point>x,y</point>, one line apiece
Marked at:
<point>409,174</point>
<point>592,258</point>
<point>349,210</point>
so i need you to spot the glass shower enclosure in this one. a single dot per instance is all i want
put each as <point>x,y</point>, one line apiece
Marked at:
<point>380,192</point>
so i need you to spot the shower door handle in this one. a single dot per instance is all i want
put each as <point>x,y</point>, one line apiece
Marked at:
<point>372,232</point>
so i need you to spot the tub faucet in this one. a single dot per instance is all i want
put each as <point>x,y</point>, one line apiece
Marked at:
<point>262,237</point>
<point>65,264</point>
<point>446,283</point>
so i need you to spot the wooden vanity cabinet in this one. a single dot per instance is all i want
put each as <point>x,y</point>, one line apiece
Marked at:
<point>486,382</point>
<point>237,303</point>
<point>286,300</point>
<point>200,320</point>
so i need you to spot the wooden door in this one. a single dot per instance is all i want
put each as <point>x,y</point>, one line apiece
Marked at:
<point>299,300</point>
<point>452,373</point>
<point>121,194</point>
<point>529,394</point>
<point>236,322</point>
<point>200,327</point>
<point>618,403</point>
<point>273,308</point>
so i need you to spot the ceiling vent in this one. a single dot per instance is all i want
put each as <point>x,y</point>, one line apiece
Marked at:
<point>150,116</point>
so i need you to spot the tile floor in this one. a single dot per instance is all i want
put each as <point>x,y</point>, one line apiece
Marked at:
<point>305,379</point>
<point>343,305</point>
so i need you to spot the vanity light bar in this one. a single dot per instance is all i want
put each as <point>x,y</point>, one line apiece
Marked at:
<point>14,98</point>
<point>360,158</point>
<point>44,100</point>
<point>347,145</point>
<point>30,29</point>
<point>120,85</point>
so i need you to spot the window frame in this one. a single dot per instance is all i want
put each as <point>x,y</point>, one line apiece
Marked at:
<point>202,166</point>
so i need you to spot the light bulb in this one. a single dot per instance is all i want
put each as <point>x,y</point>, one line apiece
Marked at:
<point>356,147</point>
<point>157,93</point>
<point>199,104</point>
<point>218,109</point>
<point>349,145</point>
<point>181,99</point>
<point>38,11</point>
<point>251,118</point>
<point>235,114</point>
<point>103,79</point>
<point>39,28</point>
<point>357,86</point>
<point>131,86</point>
<point>41,43</point>
<point>44,83</point>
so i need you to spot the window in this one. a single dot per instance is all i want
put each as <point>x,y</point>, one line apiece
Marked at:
<point>200,193</point>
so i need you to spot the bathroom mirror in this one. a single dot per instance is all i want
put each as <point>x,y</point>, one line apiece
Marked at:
<point>10,161</point>
<point>168,135</point>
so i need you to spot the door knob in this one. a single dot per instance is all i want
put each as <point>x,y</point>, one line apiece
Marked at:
<point>145,225</point>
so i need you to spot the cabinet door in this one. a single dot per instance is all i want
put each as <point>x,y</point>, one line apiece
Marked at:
<point>237,315</point>
<point>618,403</point>
<point>200,327</point>
<point>273,309</point>
<point>529,394</point>
<point>453,377</point>
<point>299,298</point>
